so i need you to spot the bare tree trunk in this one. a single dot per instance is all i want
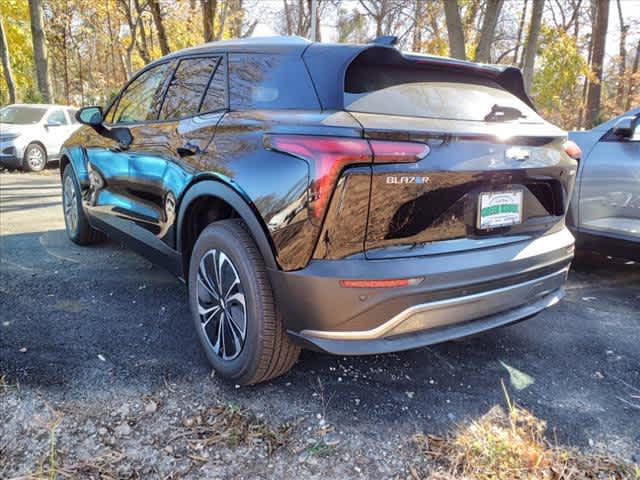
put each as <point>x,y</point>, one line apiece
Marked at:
<point>532,44</point>
<point>599,40</point>
<point>143,47</point>
<point>157,21</point>
<point>523,18</point>
<point>634,71</point>
<point>40,51</point>
<point>491,15</point>
<point>622,65</point>
<point>209,8</point>
<point>419,11</point>
<point>454,29</point>
<point>6,64</point>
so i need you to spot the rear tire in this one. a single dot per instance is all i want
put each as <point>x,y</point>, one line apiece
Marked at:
<point>237,301</point>
<point>35,158</point>
<point>75,219</point>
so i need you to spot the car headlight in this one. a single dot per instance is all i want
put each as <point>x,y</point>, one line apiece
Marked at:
<point>8,136</point>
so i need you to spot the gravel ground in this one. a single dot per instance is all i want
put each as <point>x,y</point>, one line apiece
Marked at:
<point>98,352</point>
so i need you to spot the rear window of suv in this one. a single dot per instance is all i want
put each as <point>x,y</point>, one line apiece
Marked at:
<point>263,81</point>
<point>422,92</point>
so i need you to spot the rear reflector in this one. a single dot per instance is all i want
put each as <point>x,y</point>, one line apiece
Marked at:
<point>572,149</point>
<point>396,282</point>
<point>328,156</point>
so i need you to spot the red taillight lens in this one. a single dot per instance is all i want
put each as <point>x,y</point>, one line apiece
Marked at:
<point>398,152</point>
<point>572,149</point>
<point>330,155</point>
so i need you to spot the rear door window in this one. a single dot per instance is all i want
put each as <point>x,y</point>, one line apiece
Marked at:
<point>58,117</point>
<point>216,98</point>
<point>263,81</point>
<point>187,87</point>
<point>421,92</point>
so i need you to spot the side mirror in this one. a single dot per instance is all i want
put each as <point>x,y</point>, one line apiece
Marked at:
<point>624,127</point>
<point>91,116</point>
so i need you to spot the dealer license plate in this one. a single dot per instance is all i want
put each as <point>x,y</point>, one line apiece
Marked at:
<point>499,209</point>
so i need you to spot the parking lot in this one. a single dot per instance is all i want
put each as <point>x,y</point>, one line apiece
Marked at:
<point>87,331</point>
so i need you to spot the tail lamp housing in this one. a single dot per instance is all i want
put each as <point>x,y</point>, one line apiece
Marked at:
<point>329,156</point>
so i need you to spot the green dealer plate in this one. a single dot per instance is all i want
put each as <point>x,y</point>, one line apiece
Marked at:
<point>499,209</point>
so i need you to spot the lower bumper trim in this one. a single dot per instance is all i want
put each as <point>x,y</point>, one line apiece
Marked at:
<point>445,320</point>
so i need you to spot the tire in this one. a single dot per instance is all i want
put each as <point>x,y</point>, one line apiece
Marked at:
<point>75,219</point>
<point>265,351</point>
<point>34,158</point>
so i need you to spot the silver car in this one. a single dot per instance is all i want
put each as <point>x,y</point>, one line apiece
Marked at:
<point>605,209</point>
<point>31,135</point>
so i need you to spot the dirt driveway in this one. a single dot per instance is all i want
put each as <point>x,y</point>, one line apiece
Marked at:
<point>97,351</point>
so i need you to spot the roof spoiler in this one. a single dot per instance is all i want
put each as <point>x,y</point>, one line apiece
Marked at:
<point>386,40</point>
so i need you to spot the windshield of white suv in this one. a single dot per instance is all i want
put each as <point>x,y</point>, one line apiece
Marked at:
<point>21,115</point>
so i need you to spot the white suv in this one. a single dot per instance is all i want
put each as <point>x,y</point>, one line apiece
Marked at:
<point>31,135</point>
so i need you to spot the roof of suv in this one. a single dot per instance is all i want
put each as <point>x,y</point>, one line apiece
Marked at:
<point>328,61</point>
<point>276,44</point>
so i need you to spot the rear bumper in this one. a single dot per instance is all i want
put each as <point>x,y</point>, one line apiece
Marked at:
<point>460,294</point>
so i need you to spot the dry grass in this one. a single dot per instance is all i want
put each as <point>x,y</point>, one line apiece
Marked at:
<point>510,445</point>
<point>231,426</point>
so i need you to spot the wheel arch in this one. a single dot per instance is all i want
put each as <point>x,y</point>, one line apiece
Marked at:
<point>225,196</point>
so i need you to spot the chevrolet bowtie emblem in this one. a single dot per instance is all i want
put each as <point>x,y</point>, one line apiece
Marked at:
<point>517,153</point>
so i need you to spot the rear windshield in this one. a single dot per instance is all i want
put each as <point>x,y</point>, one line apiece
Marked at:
<point>420,92</point>
<point>21,115</point>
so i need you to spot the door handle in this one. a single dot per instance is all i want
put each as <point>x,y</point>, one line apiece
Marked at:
<point>188,150</point>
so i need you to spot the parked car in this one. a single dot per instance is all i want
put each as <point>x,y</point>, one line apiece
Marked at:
<point>605,209</point>
<point>32,134</point>
<point>345,198</point>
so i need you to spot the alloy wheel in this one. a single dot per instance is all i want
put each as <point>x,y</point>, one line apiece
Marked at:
<point>70,204</point>
<point>221,304</point>
<point>35,159</point>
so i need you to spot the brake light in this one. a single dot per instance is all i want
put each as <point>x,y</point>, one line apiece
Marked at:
<point>398,152</point>
<point>328,156</point>
<point>572,149</point>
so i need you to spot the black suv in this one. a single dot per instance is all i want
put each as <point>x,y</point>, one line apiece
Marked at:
<point>346,198</point>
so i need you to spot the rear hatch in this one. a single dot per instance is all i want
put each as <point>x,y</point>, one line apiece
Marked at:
<point>495,172</point>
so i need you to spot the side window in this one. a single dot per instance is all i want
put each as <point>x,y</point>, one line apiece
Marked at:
<point>187,87</point>
<point>57,116</point>
<point>139,101</point>
<point>215,98</point>
<point>262,81</point>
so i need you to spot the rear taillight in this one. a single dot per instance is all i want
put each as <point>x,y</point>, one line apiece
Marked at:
<point>328,156</point>
<point>572,149</point>
<point>398,152</point>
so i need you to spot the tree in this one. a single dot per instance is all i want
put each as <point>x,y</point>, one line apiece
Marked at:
<point>157,21</point>
<point>491,15</point>
<point>531,46</point>
<point>594,87</point>
<point>634,74</point>
<point>622,60</point>
<point>209,8</point>
<point>6,64</point>
<point>523,18</point>
<point>454,29</point>
<point>40,51</point>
